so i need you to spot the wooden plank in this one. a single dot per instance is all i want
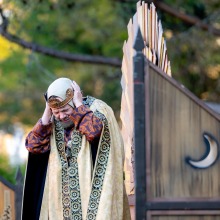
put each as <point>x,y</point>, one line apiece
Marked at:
<point>160,33</point>
<point>139,128</point>
<point>184,90</point>
<point>7,197</point>
<point>184,205</point>
<point>186,212</point>
<point>146,23</point>
<point>185,217</point>
<point>177,125</point>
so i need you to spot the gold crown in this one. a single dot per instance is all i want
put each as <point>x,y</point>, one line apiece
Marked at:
<point>53,102</point>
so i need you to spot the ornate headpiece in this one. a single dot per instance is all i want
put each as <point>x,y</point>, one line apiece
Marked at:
<point>53,102</point>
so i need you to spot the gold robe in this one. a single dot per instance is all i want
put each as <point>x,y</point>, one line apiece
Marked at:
<point>79,191</point>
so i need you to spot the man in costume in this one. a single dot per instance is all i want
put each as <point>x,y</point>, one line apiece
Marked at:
<point>76,157</point>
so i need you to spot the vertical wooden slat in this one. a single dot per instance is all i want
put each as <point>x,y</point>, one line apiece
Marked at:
<point>7,200</point>
<point>139,129</point>
<point>146,18</point>
<point>146,23</point>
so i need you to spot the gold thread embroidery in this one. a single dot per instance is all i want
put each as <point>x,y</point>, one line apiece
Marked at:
<point>100,169</point>
<point>71,198</point>
<point>56,103</point>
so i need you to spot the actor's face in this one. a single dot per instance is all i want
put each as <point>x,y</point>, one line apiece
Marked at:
<point>62,114</point>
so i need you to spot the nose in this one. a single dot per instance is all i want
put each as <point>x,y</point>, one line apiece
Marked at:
<point>62,115</point>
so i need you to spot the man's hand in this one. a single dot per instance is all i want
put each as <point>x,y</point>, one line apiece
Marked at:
<point>77,98</point>
<point>46,115</point>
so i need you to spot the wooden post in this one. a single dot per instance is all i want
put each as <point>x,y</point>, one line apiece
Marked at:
<point>18,193</point>
<point>139,129</point>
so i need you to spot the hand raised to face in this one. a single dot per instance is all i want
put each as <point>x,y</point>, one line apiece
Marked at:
<point>46,115</point>
<point>77,98</point>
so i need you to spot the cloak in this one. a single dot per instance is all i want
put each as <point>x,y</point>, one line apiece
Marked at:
<point>59,189</point>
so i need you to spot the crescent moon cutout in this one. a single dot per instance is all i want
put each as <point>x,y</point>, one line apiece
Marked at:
<point>211,153</point>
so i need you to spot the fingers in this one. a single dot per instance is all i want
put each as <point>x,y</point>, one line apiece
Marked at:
<point>77,98</point>
<point>47,108</point>
<point>75,86</point>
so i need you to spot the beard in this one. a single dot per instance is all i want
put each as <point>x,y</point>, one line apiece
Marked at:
<point>66,124</point>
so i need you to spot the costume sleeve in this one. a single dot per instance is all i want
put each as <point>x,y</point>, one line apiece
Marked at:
<point>38,140</point>
<point>87,123</point>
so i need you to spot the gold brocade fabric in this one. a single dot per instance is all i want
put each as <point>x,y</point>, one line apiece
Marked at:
<point>75,190</point>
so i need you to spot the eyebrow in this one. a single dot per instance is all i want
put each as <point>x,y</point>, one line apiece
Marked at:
<point>63,110</point>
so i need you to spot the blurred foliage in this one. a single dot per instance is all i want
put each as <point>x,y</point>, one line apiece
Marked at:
<point>195,57</point>
<point>7,171</point>
<point>97,28</point>
<point>85,27</point>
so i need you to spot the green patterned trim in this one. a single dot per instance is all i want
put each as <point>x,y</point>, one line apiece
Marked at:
<point>71,199</point>
<point>100,169</point>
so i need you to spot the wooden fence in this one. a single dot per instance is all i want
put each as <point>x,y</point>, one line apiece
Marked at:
<point>11,198</point>
<point>176,142</point>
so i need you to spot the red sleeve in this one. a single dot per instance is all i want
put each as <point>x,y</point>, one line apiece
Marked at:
<point>38,140</point>
<point>87,123</point>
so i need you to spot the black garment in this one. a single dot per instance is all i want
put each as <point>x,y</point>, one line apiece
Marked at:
<point>35,180</point>
<point>34,185</point>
